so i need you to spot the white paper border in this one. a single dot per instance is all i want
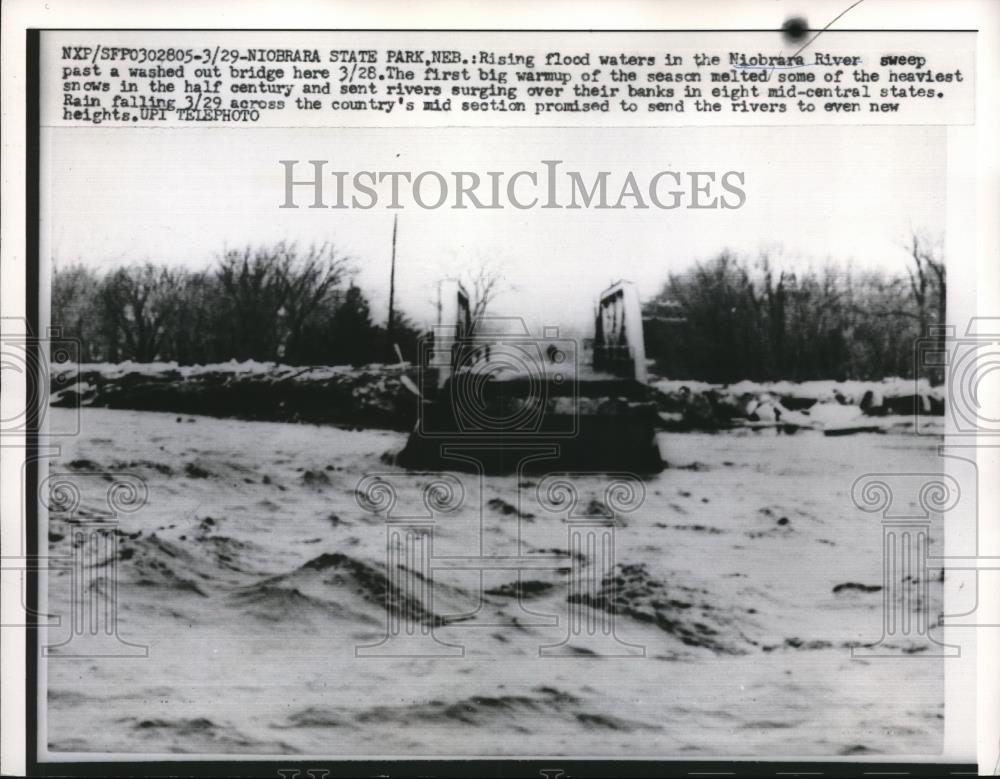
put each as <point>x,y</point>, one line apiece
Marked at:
<point>982,241</point>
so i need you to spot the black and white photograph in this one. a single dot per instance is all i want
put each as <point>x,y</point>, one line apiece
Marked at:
<point>422,397</point>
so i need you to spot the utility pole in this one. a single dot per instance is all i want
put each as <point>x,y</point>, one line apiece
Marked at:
<point>390,326</point>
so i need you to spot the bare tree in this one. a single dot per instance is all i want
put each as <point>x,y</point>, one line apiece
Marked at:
<point>75,307</point>
<point>198,324</point>
<point>273,291</point>
<point>742,320</point>
<point>485,282</point>
<point>139,303</point>
<point>928,281</point>
<point>310,280</point>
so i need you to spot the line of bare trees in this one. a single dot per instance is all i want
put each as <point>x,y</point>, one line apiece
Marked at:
<point>269,303</point>
<point>723,320</point>
<point>730,319</point>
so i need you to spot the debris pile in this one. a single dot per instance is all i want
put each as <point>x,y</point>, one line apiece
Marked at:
<point>371,396</point>
<point>834,407</point>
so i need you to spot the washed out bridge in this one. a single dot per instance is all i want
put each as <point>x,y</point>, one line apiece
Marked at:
<point>496,397</point>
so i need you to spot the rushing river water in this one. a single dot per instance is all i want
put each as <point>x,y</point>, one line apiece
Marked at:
<point>717,603</point>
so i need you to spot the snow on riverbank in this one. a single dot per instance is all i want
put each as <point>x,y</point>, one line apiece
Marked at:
<point>382,396</point>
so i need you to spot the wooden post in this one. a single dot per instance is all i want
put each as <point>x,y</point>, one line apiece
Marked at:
<point>390,325</point>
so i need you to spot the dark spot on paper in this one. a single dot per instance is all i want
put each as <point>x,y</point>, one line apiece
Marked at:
<point>795,28</point>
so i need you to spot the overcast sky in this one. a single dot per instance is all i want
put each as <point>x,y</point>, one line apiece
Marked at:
<point>180,196</point>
